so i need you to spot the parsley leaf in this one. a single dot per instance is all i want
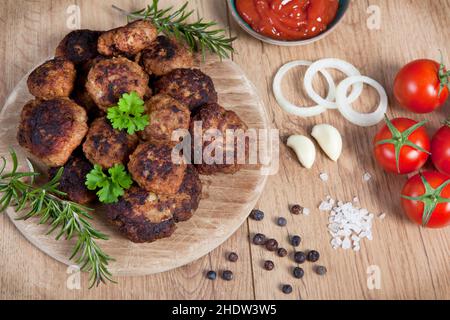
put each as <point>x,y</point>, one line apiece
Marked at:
<point>111,187</point>
<point>128,114</point>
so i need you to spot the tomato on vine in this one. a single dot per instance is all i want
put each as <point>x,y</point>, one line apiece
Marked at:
<point>440,149</point>
<point>402,146</point>
<point>422,86</point>
<point>426,199</point>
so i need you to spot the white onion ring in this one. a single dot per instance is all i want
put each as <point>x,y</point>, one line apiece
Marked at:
<point>289,106</point>
<point>319,66</point>
<point>344,102</point>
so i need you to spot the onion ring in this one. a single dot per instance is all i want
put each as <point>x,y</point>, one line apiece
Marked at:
<point>289,106</point>
<point>344,102</point>
<point>319,66</point>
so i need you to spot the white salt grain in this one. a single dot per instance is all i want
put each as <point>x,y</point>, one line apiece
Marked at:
<point>382,216</point>
<point>306,211</point>
<point>324,177</point>
<point>367,177</point>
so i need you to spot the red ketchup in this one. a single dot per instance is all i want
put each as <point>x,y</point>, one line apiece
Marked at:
<point>288,19</point>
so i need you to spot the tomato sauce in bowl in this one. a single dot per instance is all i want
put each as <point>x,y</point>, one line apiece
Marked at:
<point>288,20</point>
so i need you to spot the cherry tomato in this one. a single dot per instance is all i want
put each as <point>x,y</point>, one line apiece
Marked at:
<point>440,149</point>
<point>426,199</point>
<point>402,146</point>
<point>422,86</point>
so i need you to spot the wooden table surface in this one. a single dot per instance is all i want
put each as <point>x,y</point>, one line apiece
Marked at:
<point>413,263</point>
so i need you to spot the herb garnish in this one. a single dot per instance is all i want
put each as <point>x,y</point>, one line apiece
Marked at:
<point>70,218</point>
<point>128,114</point>
<point>199,35</point>
<point>112,186</point>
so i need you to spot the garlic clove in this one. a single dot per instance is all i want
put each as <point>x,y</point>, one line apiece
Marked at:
<point>329,139</point>
<point>304,148</point>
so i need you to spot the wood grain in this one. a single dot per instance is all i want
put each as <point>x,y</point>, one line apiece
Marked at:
<point>414,262</point>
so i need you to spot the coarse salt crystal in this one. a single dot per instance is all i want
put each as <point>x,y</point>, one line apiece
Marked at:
<point>348,224</point>
<point>382,216</point>
<point>306,211</point>
<point>346,244</point>
<point>324,177</point>
<point>367,177</point>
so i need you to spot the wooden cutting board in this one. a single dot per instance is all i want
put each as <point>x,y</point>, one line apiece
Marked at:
<point>226,199</point>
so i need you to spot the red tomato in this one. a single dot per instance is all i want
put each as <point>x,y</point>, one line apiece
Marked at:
<point>440,149</point>
<point>402,146</point>
<point>430,209</point>
<point>417,86</point>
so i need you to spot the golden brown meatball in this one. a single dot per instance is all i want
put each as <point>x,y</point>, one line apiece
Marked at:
<point>191,87</point>
<point>166,115</point>
<point>79,46</point>
<point>141,216</point>
<point>151,166</point>
<point>215,117</point>
<point>128,40</point>
<point>73,180</point>
<point>80,94</point>
<point>184,203</point>
<point>106,146</point>
<point>53,79</point>
<point>109,79</point>
<point>52,129</point>
<point>165,55</point>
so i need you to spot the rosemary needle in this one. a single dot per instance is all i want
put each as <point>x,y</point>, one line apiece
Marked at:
<point>69,218</point>
<point>199,35</point>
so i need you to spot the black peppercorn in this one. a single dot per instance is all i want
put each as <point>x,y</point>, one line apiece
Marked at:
<point>295,241</point>
<point>257,215</point>
<point>321,270</point>
<point>259,239</point>
<point>269,265</point>
<point>227,275</point>
<point>211,275</point>
<point>300,257</point>
<point>272,245</point>
<point>298,272</point>
<point>282,222</point>
<point>313,256</point>
<point>296,209</point>
<point>287,289</point>
<point>233,257</point>
<point>282,252</point>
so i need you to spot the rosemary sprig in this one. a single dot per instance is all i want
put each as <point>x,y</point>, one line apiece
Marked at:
<point>70,218</point>
<point>199,35</point>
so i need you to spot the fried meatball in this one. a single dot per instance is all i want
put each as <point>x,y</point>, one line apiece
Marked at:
<point>184,203</point>
<point>109,79</point>
<point>191,87</point>
<point>141,216</point>
<point>53,79</point>
<point>151,166</point>
<point>73,180</point>
<point>80,94</point>
<point>215,117</point>
<point>128,40</point>
<point>52,129</point>
<point>166,115</point>
<point>165,55</point>
<point>106,146</point>
<point>79,46</point>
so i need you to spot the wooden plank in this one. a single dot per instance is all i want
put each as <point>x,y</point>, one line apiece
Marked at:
<point>413,262</point>
<point>34,43</point>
